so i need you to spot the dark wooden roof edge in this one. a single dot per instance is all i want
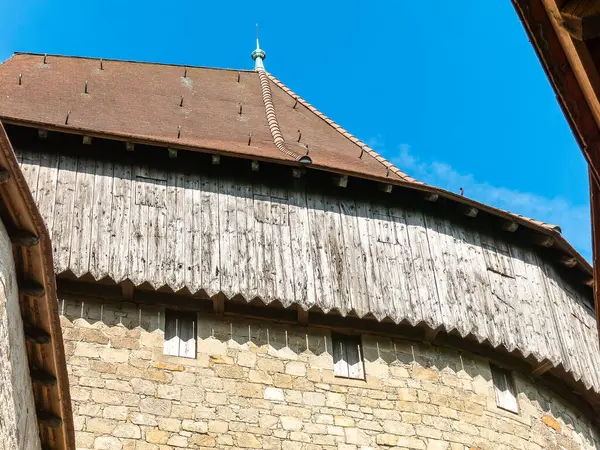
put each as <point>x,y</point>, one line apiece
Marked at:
<point>569,77</point>
<point>34,265</point>
<point>183,66</point>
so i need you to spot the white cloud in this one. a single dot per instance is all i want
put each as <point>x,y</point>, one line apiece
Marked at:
<point>574,219</point>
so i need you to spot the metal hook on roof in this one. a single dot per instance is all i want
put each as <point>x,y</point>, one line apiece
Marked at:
<point>85,90</point>
<point>239,76</point>
<point>462,191</point>
<point>299,135</point>
<point>387,173</point>
<point>307,150</point>
<point>185,72</point>
<point>181,102</point>
<point>240,109</point>
<point>67,119</point>
<point>101,64</point>
<point>20,76</point>
<point>249,138</point>
<point>295,104</point>
<point>178,131</point>
<point>45,56</point>
<point>362,150</point>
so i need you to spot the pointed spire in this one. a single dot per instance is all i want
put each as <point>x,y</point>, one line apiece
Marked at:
<point>258,55</point>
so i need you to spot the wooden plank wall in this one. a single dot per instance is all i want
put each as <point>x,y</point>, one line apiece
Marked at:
<point>221,235</point>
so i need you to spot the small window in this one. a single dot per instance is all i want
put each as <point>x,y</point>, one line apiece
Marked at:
<point>180,334</point>
<point>504,387</point>
<point>347,357</point>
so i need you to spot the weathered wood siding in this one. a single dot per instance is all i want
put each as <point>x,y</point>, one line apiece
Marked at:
<point>222,235</point>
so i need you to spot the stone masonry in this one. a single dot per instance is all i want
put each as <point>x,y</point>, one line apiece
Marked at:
<point>262,385</point>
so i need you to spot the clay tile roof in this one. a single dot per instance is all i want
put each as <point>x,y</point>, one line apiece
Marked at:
<point>233,112</point>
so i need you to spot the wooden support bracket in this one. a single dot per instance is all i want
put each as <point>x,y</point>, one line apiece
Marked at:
<point>581,19</point>
<point>127,290</point>
<point>219,304</point>
<point>49,419</point>
<point>340,180</point>
<point>41,377</point>
<point>129,146</point>
<point>4,175</point>
<point>255,166</point>
<point>24,238</point>
<point>172,153</point>
<point>431,197</point>
<point>31,288</point>
<point>385,187</point>
<point>87,140</point>
<point>302,316</point>
<point>429,334</point>
<point>541,368</point>
<point>510,226</point>
<point>42,134</point>
<point>543,241</point>
<point>216,159</point>
<point>469,211</point>
<point>568,260</point>
<point>298,172</point>
<point>590,282</point>
<point>36,335</point>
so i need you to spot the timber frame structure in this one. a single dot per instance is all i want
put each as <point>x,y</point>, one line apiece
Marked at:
<point>566,37</point>
<point>32,252</point>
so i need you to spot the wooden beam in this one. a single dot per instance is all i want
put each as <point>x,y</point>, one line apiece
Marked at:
<point>541,368</point>
<point>24,238</point>
<point>510,226</point>
<point>219,304</point>
<point>31,288</point>
<point>430,334</point>
<point>128,290</point>
<point>581,18</point>
<point>4,175</point>
<point>595,281</point>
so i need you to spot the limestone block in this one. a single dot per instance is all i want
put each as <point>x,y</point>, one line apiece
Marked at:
<point>107,443</point>
<point>155,406</point>
<point>127,430</point>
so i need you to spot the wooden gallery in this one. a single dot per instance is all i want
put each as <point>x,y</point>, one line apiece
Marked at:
<point>235,270</point>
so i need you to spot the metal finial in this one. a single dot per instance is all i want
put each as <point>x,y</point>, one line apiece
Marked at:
<point>239,76</point>
<point>101,64</point>
<point>20,76</point>
<point>185,72</point>
<point>240,109</point>
<point>45,56</point>
<point>67,119</point>
<point>299,135</point>
<point>181,102</point>
<point>258,55</point>
<point>249,138</point>
<point>85,90</point>
<point>462,191</point>
<point>295,104</point>
<point>178,131</point>
<point>362,150</point>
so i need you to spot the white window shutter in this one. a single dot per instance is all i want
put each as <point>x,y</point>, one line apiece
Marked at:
<point>187,338</point>
<point>347,357</point>
<point>355,364</point>
<point>506,396</point>
<point>171,346</point>
<point>340,366</point>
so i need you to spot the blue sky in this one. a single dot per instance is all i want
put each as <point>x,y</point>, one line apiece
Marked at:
<point>454,96</point>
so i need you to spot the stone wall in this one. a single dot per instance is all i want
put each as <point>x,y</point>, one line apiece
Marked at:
<point>18,421</point>
<point>262,385</point>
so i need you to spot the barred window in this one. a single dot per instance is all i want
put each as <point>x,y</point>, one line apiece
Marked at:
<point>347,356</point>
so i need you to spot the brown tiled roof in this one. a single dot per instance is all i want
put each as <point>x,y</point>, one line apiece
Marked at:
<point>240,113</point>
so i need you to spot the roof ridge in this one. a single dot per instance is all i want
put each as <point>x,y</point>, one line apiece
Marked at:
<point>278,139</point>
<point>344,132</point>
<point>150,63</point>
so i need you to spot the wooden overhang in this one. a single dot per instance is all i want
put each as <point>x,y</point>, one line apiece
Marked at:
<point>566,37</point>
<point>222,112</point>
<point>32,252</point>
